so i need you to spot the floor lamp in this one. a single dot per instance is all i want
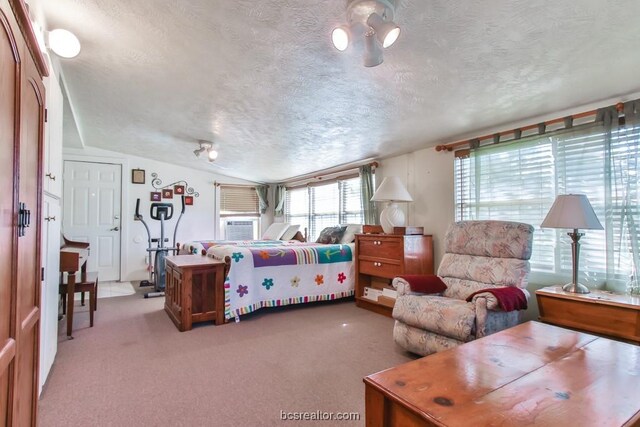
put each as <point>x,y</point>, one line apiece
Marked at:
<point>573,211</point>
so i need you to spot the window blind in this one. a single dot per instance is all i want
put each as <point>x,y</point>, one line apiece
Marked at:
<point>325,205</point>
<point>238,201</point>
<point>519,182</point>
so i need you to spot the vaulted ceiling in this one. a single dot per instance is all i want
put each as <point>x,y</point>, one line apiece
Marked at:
<point>262,80</point>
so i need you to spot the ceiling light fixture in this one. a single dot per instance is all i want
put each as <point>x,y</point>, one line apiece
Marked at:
<point>372,50</point>
<point>212,152</point>
<point>372,19</point>
<point>64,43</point>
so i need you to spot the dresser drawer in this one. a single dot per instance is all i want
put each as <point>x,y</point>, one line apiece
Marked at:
<point>380,247</point>
<point>379,268</point>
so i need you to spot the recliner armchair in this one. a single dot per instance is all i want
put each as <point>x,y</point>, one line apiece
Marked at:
<point>478,255</point>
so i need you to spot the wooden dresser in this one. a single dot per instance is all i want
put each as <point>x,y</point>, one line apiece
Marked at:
<point>599,312</point>
<point>381,257</point>
<point>194,290</point>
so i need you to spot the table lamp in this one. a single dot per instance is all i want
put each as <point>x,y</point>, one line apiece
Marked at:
<point>573,211</point>
<point>391,191</point>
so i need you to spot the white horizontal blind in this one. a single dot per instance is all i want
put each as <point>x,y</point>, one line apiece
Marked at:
<point>238,201</point>
<point>327,205</point>
<point>351,210</point>
<point>624,209</point>
<point>519,182</point>
<point>580,162</point>
<point>511,182</point>
<point>297,207</point>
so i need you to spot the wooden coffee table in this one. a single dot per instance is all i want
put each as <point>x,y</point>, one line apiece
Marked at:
<point>530,374</point>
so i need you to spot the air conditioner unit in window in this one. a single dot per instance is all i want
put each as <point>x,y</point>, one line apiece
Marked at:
<point>239,230</point>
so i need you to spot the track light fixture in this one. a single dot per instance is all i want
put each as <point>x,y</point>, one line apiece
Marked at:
<point>206,146</point>
<point>372,19</point>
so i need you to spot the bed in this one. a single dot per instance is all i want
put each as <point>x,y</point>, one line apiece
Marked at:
<point>277,232</point>
<point>275,273</point>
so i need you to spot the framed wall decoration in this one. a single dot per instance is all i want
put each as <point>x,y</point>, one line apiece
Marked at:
<point>178,190</point>
<point>137,176</point>
<point>167,193</point>
<point>188,200</point>
<point>156,196</point>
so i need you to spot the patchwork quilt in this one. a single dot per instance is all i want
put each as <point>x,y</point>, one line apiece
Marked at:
<point>273,273</point>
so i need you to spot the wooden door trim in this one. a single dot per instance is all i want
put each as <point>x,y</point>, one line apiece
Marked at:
<point>12,39</point>
<point>24,22</point>
<point>7,354</point>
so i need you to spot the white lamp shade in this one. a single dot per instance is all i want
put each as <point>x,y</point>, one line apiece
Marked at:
<point>64,43</point>
<point>391,189</point>
<point>572,211</point>
<point>213,154</point>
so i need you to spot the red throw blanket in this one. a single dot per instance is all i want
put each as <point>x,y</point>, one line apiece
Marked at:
<point>425,284</point>
<point>509,298</point>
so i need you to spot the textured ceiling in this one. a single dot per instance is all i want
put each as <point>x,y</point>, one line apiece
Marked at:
<point>262,80</point>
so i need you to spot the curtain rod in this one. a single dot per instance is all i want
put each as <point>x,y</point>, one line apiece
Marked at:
<point>451,146</point>
<point>221,184</point>
<point>329,171</point>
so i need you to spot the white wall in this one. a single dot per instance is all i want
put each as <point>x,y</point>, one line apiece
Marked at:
<point>198,223</point>
<point>428,176</point>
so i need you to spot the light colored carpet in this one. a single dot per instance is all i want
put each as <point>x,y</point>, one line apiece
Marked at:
<point>134,367</point>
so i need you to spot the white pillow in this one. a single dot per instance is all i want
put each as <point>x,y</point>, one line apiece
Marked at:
<point>350,233</point>
<point>275,231</point>
<point>290,232</point>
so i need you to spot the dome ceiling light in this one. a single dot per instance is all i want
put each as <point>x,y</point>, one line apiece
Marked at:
<point>64,43</point>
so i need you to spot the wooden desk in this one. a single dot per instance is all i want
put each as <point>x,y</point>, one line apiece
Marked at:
<point>530,374</point>
<point>73,258</point>
<point>598,312</point>
<point>194,290</point>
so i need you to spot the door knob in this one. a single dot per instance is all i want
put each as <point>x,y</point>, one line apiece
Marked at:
<point>115,229</point>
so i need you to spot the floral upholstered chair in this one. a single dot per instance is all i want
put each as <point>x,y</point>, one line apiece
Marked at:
<point>482,259</point>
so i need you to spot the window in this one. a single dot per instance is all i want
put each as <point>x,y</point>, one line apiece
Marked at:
<point>519,182</point>
<point>239,212</point>
<point>318,206</point>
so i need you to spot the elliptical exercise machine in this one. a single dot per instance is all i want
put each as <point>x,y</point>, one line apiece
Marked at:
<point>159,212</point>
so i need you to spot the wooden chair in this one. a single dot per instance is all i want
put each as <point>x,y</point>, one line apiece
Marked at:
<point>89,283</point>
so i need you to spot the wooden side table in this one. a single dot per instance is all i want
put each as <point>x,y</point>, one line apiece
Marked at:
<point>386,256</point>
<point>194,290</point>
<point>599,312</point>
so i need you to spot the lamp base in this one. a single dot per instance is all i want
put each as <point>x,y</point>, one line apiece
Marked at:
<point>576,288</point>
<point>391,216</point>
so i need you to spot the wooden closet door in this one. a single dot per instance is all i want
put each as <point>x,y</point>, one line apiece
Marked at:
<point>9,88</point>
<point>28,268</point>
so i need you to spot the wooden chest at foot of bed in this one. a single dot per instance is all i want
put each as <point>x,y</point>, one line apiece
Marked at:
<point>194,290</point>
